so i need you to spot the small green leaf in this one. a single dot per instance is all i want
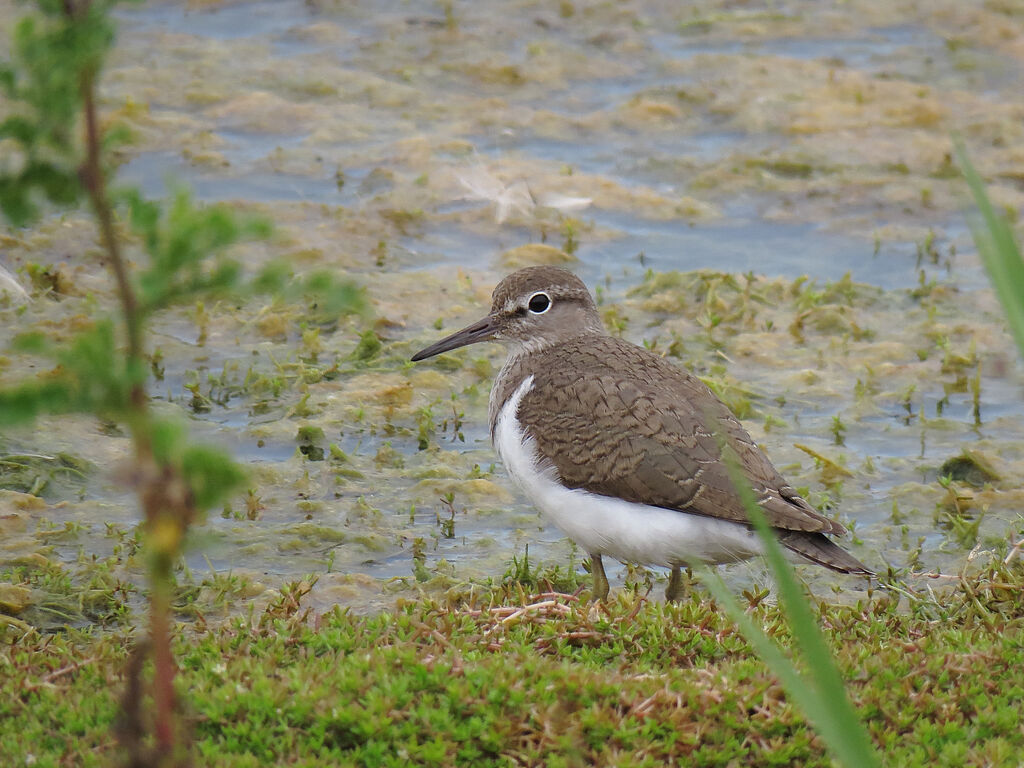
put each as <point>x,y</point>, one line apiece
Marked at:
<point>211,475</point>
<point>272,278</point>
<point>23,404</point>
<point>33,343</point>
<point>19,129</point>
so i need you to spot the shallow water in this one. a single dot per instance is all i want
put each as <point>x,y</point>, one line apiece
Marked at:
<point>784,144</point>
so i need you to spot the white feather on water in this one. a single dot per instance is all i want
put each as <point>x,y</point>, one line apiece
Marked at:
<point>564,203</point>
<point>9,285</point>
<point>481,184</point>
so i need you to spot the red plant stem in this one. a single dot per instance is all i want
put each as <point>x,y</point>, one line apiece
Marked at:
<point>152,489</point>
<point>92,178</point>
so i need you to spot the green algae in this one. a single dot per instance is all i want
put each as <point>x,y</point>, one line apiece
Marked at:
<point>853,150</point>
<point>971,468</point>
<point>370,424</point>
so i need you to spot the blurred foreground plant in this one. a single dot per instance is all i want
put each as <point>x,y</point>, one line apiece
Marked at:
<point>818,690</point>
<point>1000,253</point>
<point>57,54</point>
<point>997,247</point>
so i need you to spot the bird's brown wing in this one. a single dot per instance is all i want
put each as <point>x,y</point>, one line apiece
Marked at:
<point>648,432</point>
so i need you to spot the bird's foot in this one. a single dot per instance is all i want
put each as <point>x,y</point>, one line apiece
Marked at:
<point>676,589</point>
<point>600,587</point>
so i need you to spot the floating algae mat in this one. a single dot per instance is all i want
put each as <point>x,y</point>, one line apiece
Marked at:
<point>766,199</point>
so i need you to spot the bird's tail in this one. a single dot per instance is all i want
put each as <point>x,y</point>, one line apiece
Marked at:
<point>820,549</point>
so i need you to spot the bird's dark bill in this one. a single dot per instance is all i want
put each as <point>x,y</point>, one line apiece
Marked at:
<point>482,330</point>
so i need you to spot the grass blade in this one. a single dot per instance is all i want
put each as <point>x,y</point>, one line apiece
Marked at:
<point>997,247</point>
<point>820,692</point>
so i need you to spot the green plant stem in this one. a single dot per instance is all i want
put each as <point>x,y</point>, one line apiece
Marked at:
<point>997,247</point>
<point>820,692</point>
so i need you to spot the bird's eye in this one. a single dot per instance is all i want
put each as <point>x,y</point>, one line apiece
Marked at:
<point>539,303</point>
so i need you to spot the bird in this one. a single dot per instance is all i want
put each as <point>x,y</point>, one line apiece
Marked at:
<point>622,450</point>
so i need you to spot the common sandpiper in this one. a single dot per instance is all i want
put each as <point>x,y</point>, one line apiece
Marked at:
<point>622,450</point>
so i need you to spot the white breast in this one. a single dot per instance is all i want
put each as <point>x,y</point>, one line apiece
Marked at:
<point>602,525</point>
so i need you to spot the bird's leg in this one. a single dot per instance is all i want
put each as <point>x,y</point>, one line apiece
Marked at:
<point>600,590</point>
<point>675,589</point>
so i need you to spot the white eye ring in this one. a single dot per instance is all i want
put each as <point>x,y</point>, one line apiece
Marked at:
<point>541,301</point>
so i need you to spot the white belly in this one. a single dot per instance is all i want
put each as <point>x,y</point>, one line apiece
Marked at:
<point>602,525</point>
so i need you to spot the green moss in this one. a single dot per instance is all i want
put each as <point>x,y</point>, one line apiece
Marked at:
<point>309,434</point>
<point>403,220</point>
<point>969,467</point>
<point>794,169</point>
<point>35,473</point>
<point>312,532</point>
<point>507,678</point>
<point>369,347</point>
